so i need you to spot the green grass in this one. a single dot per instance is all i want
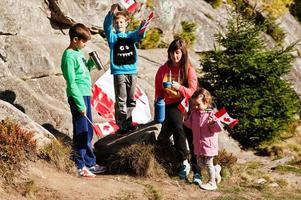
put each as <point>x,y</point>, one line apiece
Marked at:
<point>153,193</point>
<point>288,168</point>
<point>236,197</point>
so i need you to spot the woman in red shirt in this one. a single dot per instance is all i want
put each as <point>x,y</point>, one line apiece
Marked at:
<point>179,71</point>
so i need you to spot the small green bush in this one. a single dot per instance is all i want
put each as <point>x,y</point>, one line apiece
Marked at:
<point>295,9</point>
<point>133,23</point>
<point>137,159</point>
<point>151,40</point>
<point>16,147</point>
<point>275,32</point>
<point>150,4</point>
<point>188,33</point>
<point>215,3</point>
<point>225,159</point>
<point>267,23</point>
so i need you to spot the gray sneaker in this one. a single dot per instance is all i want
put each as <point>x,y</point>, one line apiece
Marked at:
<point>97,169</point>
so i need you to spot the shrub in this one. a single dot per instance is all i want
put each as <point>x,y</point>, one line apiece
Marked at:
<point>225,159</point>
<point>138,160</point>
<point>150,4</point>
<point>16,147</point>
<point>188,32</point>
<point>268,24</point>
<point>295,9</point>
<point>133,24</point>
<point>215,3</point>
<point>246,78</point>
<point>58,154</point>
<point>151,40</point>
<point>276,7</point>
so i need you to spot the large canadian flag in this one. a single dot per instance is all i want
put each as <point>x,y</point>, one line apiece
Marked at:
<point>224,117</point>
<point>103,99</point>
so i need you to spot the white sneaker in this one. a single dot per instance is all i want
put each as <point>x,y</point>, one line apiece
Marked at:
<point>97,169</point>
<point>209,186</point>
<point>85,172</point>
<point>184,170</point>
<point>218,177</point>
<point>197,179</point>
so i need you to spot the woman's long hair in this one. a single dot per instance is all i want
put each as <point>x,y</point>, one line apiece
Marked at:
<point>184,62</point>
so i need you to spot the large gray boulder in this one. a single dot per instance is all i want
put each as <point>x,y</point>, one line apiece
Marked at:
<point>41,135</point>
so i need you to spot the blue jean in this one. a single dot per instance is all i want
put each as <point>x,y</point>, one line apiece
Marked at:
<point>82,135</point>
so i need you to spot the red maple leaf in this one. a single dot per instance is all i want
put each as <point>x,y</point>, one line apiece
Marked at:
<point>106,127</point>
<point>226,119</point>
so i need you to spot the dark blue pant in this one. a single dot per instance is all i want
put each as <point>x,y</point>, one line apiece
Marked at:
<point>82,135</point>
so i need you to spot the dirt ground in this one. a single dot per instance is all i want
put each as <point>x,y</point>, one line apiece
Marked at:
<point>43,182</point>
<point>52,184</point>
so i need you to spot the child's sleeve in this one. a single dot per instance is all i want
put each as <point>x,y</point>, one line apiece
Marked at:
<point>137,35</point>
<point>108,27</point>
<point>192,84</point>
<point>159,92</point>
<point>69,75</point>
<point>216,126</point>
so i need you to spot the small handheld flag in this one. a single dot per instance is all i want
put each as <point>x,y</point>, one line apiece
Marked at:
<point>225,118</point>
<point>184,105</point>
<point>96,130</point>
<point>147,21</point>
<point>129,5</point>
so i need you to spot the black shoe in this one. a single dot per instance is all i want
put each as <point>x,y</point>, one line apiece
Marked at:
<point>121,132</point>
<point>133,128</point>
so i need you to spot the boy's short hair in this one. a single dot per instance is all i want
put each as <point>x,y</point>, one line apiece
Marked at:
<point>124,14</point>
<point>80,31</point>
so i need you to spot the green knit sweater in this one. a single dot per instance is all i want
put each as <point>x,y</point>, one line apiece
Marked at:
<point>76,71</point>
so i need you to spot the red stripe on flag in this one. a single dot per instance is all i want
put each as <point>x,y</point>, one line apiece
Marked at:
<point>233,123</point>
<point>132,7</point>
<point>221,112</point>
<point>97,130</point>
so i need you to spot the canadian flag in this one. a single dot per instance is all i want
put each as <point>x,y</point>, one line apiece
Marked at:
<point>103,99</point>
<point>184,105</point>
<point>147,21</point>
<point>129,5</point>
<point>224,117</point>
<point>103,129</point>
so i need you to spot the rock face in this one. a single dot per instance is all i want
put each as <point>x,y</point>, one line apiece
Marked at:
<point>32,41</point>
<point>42,136</point>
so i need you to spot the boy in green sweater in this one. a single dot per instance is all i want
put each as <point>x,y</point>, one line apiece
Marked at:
<point>76,71</point>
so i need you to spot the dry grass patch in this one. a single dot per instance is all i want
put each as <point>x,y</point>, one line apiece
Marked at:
<point>59,155</point>
<point>138,160</point>
<point>16,147</point>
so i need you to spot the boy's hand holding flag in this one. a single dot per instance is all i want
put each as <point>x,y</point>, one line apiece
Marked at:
<point>146,22</point>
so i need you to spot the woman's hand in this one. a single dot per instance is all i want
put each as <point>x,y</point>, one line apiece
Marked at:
<point>175,85</point>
